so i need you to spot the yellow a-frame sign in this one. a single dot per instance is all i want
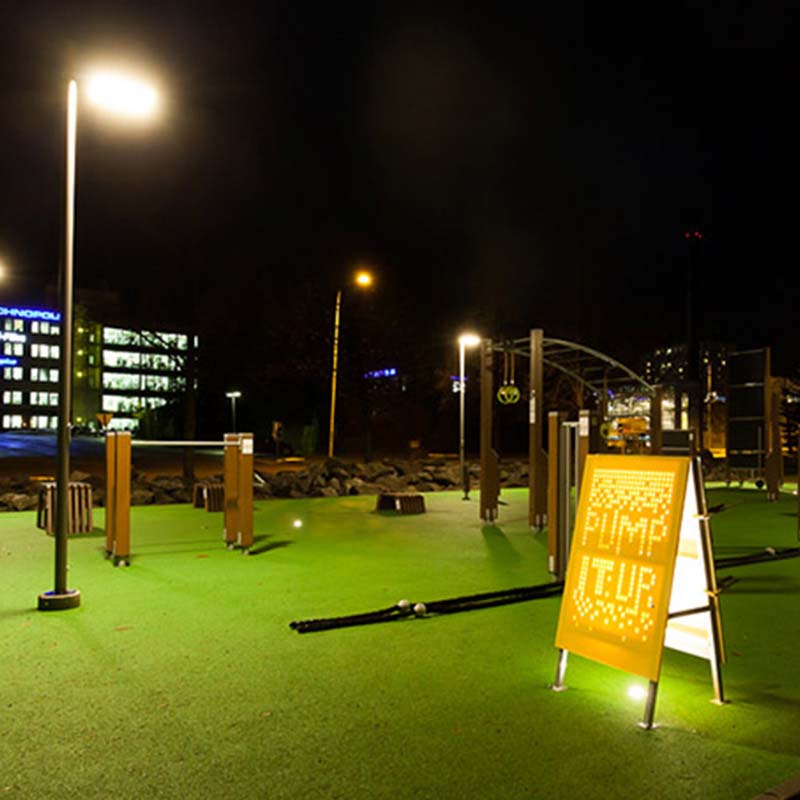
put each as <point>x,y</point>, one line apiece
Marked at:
<point>641,570</point>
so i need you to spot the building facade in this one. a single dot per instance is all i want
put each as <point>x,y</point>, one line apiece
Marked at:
<point>123,378</point>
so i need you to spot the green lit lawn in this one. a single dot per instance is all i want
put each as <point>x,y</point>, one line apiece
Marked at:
<point>179,676</point>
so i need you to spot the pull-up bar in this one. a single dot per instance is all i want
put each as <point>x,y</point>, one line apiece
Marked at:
<point>238,485</point>
<point>151,443</point>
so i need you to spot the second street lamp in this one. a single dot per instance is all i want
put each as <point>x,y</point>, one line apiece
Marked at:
<point>233,397</point>
<point>133,99</point>
<point>364,280</point>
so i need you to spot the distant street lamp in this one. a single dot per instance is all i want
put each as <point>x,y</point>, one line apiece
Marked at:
<point>464,341</point>
<point>233,397</point>
<point>120,96</point>
<point>364,280</point>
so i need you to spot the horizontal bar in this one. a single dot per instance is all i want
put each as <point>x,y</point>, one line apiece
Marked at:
<point>149,443</point>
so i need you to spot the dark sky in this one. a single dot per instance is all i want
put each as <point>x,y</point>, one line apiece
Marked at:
<point>512,167</point>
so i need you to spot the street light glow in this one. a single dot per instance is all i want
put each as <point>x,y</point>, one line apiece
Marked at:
<point>121,94</point>
<point>364,278</point>
<point>233,394</point>
<point>469,340</point>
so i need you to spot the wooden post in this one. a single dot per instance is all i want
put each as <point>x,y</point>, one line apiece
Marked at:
<point>230,531</point>
<point>111,490</point>
<point>245,494</point>
<point>554,420</point>
<point>537,462</point>
<point>122,502</point>
<point>588,441</point>
<point>774,456</point>
<point>490,483</point>
<point>656,422</point>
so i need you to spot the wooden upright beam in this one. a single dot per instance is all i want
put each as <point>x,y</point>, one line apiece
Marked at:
<point>121,551</point>
<point>245,482</point>
<point>537,461</point>
<point>554,507</point>
<point>490,482</point>
<point>111,489</point>
<point>231,477</point>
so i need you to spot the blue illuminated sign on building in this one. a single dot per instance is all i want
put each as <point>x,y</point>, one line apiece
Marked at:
<point>30,313</point>
<point>9,362</point>
<point>391,372</point>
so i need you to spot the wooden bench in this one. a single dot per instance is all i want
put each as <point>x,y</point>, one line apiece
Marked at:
<point>404,502</point>
<point>79,513</point>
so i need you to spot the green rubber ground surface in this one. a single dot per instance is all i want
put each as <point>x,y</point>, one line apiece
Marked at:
<point>179,676</point>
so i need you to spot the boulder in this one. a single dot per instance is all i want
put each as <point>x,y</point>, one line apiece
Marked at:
<point>19,502</point>
<point>142,497</point>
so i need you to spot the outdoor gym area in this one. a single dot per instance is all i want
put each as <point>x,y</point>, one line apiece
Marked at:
<point>180,676</point>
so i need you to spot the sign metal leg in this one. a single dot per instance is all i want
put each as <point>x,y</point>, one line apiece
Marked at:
<point>561,668</point>
<point>650,707</point>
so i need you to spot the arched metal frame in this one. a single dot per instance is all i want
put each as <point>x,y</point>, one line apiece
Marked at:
<point>596,372</point>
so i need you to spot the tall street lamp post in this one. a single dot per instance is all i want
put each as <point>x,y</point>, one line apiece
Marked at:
<point>233,397</point>
<point>364,280</point>
<point>464,341</point>
<point>119,95</point>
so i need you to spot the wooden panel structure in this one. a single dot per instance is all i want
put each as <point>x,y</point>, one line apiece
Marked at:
<point>402,502</point>
<point>79,516</point>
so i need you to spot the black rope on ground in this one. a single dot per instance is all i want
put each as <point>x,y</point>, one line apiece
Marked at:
<point>404,608</point>
<point>769,554</point>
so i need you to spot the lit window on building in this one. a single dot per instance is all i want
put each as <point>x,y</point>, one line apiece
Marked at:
<point>120,336</point>
<point>120,359</point>
<point>121,381</point>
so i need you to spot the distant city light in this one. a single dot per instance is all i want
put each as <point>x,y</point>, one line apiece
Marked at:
<point>298,523</point>
<point>391,372</point>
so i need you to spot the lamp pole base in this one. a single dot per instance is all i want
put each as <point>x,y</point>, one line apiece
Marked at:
<point>55,601</point>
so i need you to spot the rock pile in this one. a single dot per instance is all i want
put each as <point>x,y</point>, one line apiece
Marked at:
<point>332,478</point>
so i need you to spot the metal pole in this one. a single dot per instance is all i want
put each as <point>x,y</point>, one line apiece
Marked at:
<point>650,707</point>
<point>61,597</point>
<point>334,370</point>
<point>462,391</point>
<point>233,413</point>
<point>561,668</point>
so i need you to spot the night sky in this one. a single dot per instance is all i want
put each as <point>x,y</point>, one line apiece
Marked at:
<point>505,168</point>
